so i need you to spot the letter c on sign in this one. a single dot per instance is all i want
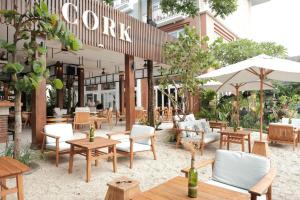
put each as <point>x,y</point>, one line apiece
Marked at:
<point>65,12</point>
<point>85,20</point>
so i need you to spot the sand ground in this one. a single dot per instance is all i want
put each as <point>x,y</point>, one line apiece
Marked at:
<point>54,183</point>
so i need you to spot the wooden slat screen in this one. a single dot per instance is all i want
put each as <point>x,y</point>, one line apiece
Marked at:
<point>146,42</point>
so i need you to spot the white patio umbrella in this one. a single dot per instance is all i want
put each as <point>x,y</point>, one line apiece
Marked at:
<point>261,67</point>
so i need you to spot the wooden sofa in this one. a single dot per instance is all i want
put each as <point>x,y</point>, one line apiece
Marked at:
<point>283,133</point>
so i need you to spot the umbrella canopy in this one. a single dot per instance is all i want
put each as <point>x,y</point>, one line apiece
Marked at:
<point>261,67</point>
<point>250,70</point>
<point>231,87</point>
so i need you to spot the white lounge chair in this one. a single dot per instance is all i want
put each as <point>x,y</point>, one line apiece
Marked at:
<point>241,172</point>
<point>141,138</point>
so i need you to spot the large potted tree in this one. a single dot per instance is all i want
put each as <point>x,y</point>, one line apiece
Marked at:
<point>36,22</point>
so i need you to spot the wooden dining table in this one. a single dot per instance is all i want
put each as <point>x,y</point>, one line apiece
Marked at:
<point>177,189</point>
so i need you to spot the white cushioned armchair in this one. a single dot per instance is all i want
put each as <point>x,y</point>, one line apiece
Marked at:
<point>241,172</point>
<point>55,137</point>
<point>141,138</point>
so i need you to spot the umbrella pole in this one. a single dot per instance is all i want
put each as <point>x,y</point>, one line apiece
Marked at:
<point>237,103</point>
<point>261,104</point>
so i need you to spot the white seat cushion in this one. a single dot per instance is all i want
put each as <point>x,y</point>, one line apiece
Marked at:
<point>239,169</point>
<point>62,146</point>
<point>142,131</point>
<point>125,146</point>
<point>222,185</point>
<point>211,137</point>
<point>64,131</point>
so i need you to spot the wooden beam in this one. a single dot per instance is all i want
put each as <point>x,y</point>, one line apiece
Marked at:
<point>38,114</point>
<point>80,73</point>
<point>121,93</point>
<point>129,91</point>
<point>144,88</point>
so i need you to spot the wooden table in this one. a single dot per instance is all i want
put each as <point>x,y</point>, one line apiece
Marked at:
<point>228,135</point>
<point>91,151</point>
<point>11,168</point>
<point>177,189</point>
<point>217,124</point>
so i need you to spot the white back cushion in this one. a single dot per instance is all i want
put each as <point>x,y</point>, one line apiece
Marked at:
<point>239,169</point>
<point>285,120</point>
<point>64,111</point>
<point>206,127</point>
<point>64,131</point>
<point>82,109</point>
<point>141,131</point>
<point>295,122</point>
<point>188,125</point>
<point>190,117</point>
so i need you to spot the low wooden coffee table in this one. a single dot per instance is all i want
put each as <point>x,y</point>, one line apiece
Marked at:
<point>177,189</point>
<point>217,124</point>
<point>228,135</point>
<point>91,151</point>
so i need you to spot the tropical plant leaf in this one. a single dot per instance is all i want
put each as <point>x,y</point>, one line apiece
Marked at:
<point>13,68</point>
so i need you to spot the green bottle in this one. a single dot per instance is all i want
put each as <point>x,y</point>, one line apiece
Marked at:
<point>193,180</point>
<point>92,134</point>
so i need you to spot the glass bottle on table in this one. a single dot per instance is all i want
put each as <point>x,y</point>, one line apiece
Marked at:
<point>192,180</point>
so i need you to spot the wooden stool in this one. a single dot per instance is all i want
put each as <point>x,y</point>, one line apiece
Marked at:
<point>122,189</point>
<point>261,148</point>
<point>11,168</point>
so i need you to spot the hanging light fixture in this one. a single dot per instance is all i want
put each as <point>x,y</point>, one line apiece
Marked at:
<point>103,71</point>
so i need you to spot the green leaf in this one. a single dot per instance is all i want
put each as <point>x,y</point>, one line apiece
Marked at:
<point>37,67</point>
<point>42,50</point>
<point>44,7</point>
<point>13,68</point>
<point>57,84</point>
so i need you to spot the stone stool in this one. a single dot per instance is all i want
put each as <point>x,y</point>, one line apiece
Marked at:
<point>122,189</point>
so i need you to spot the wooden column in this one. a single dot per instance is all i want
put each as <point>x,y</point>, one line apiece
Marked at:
<point>80,73</point>
<point>5,91</point>
<point>144,87</point>
<point>38,107</point>
<point>129,89</point>
<point>38,114</point>
<point>121,93</point>
<point>59,73</point>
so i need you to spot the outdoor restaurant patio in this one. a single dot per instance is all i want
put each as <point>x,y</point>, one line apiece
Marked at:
<point>97,104</point>
<point>56,183</point>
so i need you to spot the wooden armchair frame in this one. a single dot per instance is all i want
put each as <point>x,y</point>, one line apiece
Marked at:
<point>265,184</point>
<point>132,141</point>
<point>57,151</point>
<point>283,134</point>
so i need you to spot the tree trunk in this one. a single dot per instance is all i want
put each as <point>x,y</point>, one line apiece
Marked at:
<point>18,123</point>
<point>151,113</point>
